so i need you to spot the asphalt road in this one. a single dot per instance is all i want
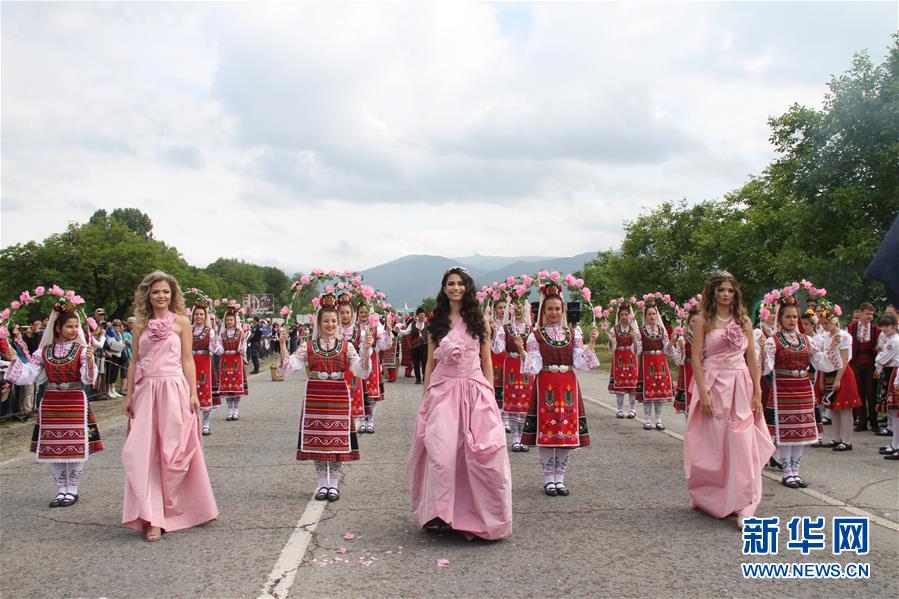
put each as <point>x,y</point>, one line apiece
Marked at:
<point>626,530</point>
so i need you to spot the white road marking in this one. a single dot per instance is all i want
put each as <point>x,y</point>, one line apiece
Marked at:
<point>811,492</point>
<point>282,575</point>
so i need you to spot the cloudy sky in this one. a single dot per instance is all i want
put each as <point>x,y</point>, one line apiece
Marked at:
<point>346,135</point>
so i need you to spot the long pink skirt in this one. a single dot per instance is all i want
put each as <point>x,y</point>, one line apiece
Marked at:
<point>166,483</point>
<point>458,468</point>
<point>724,454</point>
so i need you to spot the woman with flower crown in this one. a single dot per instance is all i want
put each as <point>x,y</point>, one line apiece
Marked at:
<point>517,387</point>
<point>65,433</point>
<point>327,427</point>
<point>166,483</point>
<point>726,444</point>
<point>788,353</point>
<point>203,349</point>
<point>624,345</point>
<point>556,422</point>
<point>373,391</point>
<point>458,468</point>
<point>654,387</point>
<point>348,330</point>
<point>231,345</point>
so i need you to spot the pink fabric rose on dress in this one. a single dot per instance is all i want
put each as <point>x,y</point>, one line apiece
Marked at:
<point>158,328</point>
<point>733,334</point>
<point>449,351</point>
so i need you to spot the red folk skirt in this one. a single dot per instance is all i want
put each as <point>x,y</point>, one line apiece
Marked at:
<point>354,385</point>
<point>203,364</point>
<point>684,381</point>
<point>373,382</point>
<point>846,397</point>
<point>65,429</point>
<point>654,383</point>
<point>625,372</point>
<point>517,387</point>
<point>793,400</point>
<point>232,377</point>
<point>889,396</point>
<point>498,360</point>
<point>327,427</point>
<point>556,415</point>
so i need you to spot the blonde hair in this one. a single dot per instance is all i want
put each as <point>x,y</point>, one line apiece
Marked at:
<point>143,310</point>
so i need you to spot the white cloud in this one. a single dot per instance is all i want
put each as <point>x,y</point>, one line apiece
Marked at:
<point>346,135</point>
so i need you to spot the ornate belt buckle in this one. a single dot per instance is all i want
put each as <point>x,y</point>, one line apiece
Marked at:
<point>563,368</point>
<point>335,376</point>
<point>323,375</point>
<point>554,368</point>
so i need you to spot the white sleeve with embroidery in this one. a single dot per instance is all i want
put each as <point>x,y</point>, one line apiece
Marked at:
<point>293,362</point>
<point>533,361</point>
<point>584,358</point>
<point>613,339</point>
<point>215,344</point>
<point>25,373</point>
<point>888,356</point>
<point>498,345</point>
<point>242,348</point>
<point>382,339</point>
<point>638,339</point>
<point>359,366</point>
<point>770,352</point>
<point>88,370</point>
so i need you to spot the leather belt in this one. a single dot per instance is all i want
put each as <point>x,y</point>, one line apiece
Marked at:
<point>557,368</point>
<point>202,352</point>
<point>320,374</point>
<point>513,354</point>
<point>231,352</point>
<point>653,352</point>
<point>793,373</point>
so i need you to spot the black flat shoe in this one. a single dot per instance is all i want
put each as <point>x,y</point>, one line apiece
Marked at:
<point>562,490</point>
<point>775,464</point>
<point>843,447</point>
<point>884,432</point>
<point>660,426</point>
<point>790,482</point>
<point>70,499</point>
<point>322,494</point>
<point>828,444</point>
<point>550,489</point>
<point>647,427</point>
<point>236,417</point>
<point>892,456</point>
<point>516,447</point>
<point>57,500</point>
<point>826,421</point>
<point>333,495</point>
<point>817,444</point>
<point>887,450</point>
<point>632,414</point>
<point>619,414</point>
<point>800,483</point>
<point>525,448</point>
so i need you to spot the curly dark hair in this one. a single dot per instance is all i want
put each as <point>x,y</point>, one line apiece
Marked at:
<point>470,310</point>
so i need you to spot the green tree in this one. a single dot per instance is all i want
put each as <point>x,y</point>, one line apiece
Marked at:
<point>135,220</point>
<point>428,303</point>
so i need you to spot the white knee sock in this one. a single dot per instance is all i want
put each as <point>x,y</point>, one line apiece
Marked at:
<point>632,398</point>
<point>516,423</point>
<point>207,412</point>
<point>561,464</point>
<point>658,411</point>
<point>647,411</point>
<point>506,419</point>
<point>548,462</point>
<point>60,476</point>
<point>75,470</point>
<point>371,416</point>
<point>321,472</point>
<point>619,399</point>
<point>236,405</point>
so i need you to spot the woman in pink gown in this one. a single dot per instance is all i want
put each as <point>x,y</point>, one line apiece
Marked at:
<point>726,444</point>
<point>166,484</point>
<point>458,469</point>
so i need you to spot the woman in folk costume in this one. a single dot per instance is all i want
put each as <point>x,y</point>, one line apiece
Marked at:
<point>498,358</point>
<point>65,433</point>
<point>886,367</point>
<point>327,427</point>
<point>458,469</point>
<point>788,353</point>
<point>406,349</point>
<point>726,444</point>
<point>654,384</point>
<point>765,321</point>
<point>203,347</point>
<point>166,484</point>
<point>835,386</point>
<point>231,345</point>
<point>556,422</point>
<point>390,356</point>
<point>624,344</point>
<point>372,387</point>
<point>517,387</point>
<point>348,330</point>
<point>682,351</point>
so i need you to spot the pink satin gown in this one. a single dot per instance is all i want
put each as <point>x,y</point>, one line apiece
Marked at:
<point>166,483</point>
<point>724,454</point>
<point>458,468</point>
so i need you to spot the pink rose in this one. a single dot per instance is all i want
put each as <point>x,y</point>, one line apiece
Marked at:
<point>764,313</point>
<point>666,298</point>
<point>605,325</point>
<point>332,273</point>
<point>527,280</point>
<point>503,286</point>
<point>837,310</point>
<point>329,289</point>
<point>5,314</point>
<point>347,273</point>
<point>733,334</point>
<point>681,313</point>
<point>70,295</point>
<point>285,311</point>
<point>373,321</point>
<point>91,322</point>
<point>586,293</point>
<point>56,290</point>
<point>341,285</point>
<point>569,280</point>
<point>543,274</point>
<point>217,303</point>
<point>521,290</point>
<point>25,297</point>
<point>597,311</point>
<point>367,291</point>
<point>641,304</point>
<point>39,291</point>
<point>633,300</point>
<point>77,300</point>
<point>822,292</point>
<point>317,272</point>
<point>678,330</point>
<point>795,286</point>
<point>776,294</point>
<point>554,276</point>
<point>15,305</point>
<point>316,302</point>
<point>579,282</point>
<point>510,281</point>
<point>357,281</point>
<point>187,312</point>
<point>646,296</point>
<point>305,279</point>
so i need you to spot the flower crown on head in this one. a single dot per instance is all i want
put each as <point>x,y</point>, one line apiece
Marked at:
<point>202,304</point>
<point>551,290</point>
<point>789,300</point>
<point>327,300</point>
<point>345,297</point>
<point>63,305</point>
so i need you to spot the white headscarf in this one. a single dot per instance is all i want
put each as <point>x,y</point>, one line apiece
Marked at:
<point>48,336</point>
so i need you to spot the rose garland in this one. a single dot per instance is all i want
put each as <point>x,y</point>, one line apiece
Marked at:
<point>27,298</point>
